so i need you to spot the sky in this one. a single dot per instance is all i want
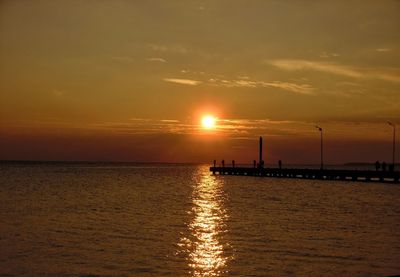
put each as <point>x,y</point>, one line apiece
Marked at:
<point>130,80</point>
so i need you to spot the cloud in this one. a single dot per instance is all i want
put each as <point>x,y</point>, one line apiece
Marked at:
<point>170,120</point>
<point>336,69</point>
<point>161,60</point>
<point>294,65</point>
<point>387,77</point>
<point>140,126</point>
<point>183,81</point>
<point>265,127</point>
<point>227,128</point>
<point>383,49</point>
<point>247,83</point>
<point>328,55</point>
<point>179,49</point>
<point>297,88</point>
<point>233,128</point>
<point>252,123</point>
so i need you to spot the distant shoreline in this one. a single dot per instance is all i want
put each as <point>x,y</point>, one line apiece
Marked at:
<point>95,162</point>
<point>177,163</point>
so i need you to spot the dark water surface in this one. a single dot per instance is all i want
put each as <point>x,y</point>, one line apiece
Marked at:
<point>161,220</point>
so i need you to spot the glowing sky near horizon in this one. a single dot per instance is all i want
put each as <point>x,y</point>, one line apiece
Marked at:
<point>130,80</point>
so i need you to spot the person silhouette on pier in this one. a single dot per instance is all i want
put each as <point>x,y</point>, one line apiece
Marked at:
<point>223,163</point>
<point>280,164</point>
<point>384,166</point>
<point>377,165</point>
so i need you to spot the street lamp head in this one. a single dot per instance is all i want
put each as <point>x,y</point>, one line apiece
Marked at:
<point>390,123</point>
<point>319,128</point>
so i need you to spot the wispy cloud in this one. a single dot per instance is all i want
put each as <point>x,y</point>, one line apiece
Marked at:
<point>160,60</point>
<point>248,83</point>
<point>188,82</point>
<point>137,126</point>
<point>170,120</point>
<point>239,129</point>
<point>253,122</point>
<point>328,55</point>
<point>266,127</point>
<point>231,128</point>
<point>383,49</point>
<point>387,77</point>
<point>297,88</point>
<point>175,48</point>
<point>293,65</point>
<point>337,69</point>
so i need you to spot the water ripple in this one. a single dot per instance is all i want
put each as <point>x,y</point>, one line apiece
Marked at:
<point>206,252</point>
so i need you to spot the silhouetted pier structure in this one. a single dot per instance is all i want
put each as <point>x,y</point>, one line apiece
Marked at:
<point>325,174</point>
<point>306,173</point>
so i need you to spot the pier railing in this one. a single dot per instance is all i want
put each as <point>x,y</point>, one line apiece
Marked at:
<point>324,174</point>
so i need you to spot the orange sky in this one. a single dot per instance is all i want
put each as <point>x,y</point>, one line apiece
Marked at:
<point>130,80</point>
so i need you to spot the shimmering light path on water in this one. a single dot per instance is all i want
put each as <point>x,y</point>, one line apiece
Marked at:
<point>207,257</point>
<point>178,220</point>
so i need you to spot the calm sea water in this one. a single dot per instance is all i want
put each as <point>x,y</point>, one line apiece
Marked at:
<point>178,220</point>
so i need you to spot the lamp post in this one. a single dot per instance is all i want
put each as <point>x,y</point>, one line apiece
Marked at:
<point>394,143</point>
<point>322,149</point>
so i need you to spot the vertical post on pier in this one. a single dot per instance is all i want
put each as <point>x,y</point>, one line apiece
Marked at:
<point>260,162</point>
<point>394,144</point>
<point>322,153</point>
<point>322,149</point>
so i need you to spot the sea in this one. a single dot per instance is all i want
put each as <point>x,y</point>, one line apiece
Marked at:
<point>120,219</point>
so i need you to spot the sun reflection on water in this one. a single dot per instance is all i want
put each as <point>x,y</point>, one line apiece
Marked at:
<point>206,252</point>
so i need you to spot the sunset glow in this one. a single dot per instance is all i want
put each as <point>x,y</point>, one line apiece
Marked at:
<point>134,81</point>
<point>200,138</point>
<point>208,122</point>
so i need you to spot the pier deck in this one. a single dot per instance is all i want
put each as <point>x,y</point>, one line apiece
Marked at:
<point>325,174</point>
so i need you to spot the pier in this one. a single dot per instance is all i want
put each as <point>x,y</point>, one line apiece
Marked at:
<point>258,170</point>
<point>318,174</point>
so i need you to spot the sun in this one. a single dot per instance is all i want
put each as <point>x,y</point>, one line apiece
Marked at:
<point>208,122</point>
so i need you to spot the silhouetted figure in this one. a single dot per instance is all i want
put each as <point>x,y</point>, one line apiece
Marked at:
<point>215,163</point>
<point>280,164</point>
<point>223,163</point>
<point>261,164</point>
<point>377,165</point>
<point>254,163</point>
<point>384,166</point>
<point>391,167</point>
<point>233,163</point>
